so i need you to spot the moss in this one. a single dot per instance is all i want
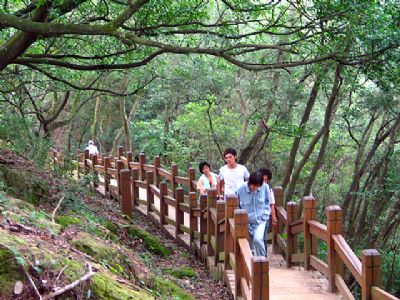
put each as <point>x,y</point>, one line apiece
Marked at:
<point>9,272</point>
<point>110,226</point>
<point>105,287</point>
<point>114,259</point>
<point>10,202</point>
<point>170,290</point>
<point>152,243</point>
<point>65,221</point>
<point>182,272</point>
<point>22,212</point>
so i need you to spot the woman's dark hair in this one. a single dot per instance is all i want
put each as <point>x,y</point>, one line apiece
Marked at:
<point>256,178</point>
<point>230,151</point>
<point>266,172</point>
<point>202,165</point>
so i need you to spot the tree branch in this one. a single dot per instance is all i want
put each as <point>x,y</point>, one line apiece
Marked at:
<point>96,67</point>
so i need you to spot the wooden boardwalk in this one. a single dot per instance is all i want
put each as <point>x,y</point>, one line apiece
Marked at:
<point>295,283</point>
<point>285,283</point>
<point>216,232</point>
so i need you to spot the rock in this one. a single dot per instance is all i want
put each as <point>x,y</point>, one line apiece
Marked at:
<point>18,287</point>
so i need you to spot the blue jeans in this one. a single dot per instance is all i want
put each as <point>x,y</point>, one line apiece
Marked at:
<point>257,237</point>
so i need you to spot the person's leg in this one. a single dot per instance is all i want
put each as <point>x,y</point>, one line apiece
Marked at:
<point>265,236</point>
<point>258,240</point>
<point>252,228</point>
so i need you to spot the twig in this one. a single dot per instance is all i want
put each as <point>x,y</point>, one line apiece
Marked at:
<point>32,283</point>
<point>55,210</point>
<point>71,285</point>
<point>59,275</point>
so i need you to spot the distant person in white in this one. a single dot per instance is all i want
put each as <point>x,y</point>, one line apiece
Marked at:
<point>92,148</point>
<point>232,175</point>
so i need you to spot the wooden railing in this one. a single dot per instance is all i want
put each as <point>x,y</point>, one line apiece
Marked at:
<point>366,271</point>
<point>216,231</point>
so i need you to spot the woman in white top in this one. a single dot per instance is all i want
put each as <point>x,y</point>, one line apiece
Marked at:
<point>208,180</point>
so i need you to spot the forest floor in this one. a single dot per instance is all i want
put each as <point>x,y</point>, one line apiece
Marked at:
<point>51,247</point>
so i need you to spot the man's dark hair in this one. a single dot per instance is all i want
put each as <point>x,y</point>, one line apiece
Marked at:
<point>256,178</point>
<point>202,165</point>
<point>230,151</point>
<point>266,172</point>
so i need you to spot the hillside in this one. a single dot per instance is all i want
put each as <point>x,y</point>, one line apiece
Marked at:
<point>83,249</point>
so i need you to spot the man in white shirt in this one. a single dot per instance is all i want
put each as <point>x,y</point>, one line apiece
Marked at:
<point>92,148</point>
<point>232,175</point>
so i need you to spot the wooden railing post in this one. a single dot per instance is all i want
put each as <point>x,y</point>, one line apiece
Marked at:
<point>211,198</point>
<point>142,161</point>
<point>86,156</point>
<point>157,164</point>
<point>129,157</point>
<point>174,173</point>
<point>120,166</point>
<point>193,223</point>
<point>241,221</point>
<point>150,195</point>
<point>230,205</point>
<point>126,196</point>
<point>260,278</point>
<point>292,211</point>
<point>179,198</point>
<point>278,193</point>
<point>121,151</point>
<point>334,218</point>
<point>309,213</point>
<point>219,236</point>
<point>371,272</point>
<point>163,205</point>
<point>94,172</point>
<point>191,176</point>
<point>135,188</point>
<point>107,165</point>
<point>203,220</point>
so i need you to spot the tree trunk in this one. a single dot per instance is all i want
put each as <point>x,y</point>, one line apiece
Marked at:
<point>132,113</point>
<point>358,173</point>
<point>302,125</point>
<point>21,41</point>
<point>262,129</point>
<point>96,118</point>
<point>125,124</point>
<point>327,121</point>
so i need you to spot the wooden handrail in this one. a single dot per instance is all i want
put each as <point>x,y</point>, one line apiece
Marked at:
<point>318,229</point>
<point>219,219</point>
<point>351,260</point>
<point>281,213</point>
<point>182,180</point>
<point>379,294</point>
<point>246,252</point>
<point>164,173</point>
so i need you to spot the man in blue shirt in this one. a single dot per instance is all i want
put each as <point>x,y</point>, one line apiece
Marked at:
<point>254,198</point>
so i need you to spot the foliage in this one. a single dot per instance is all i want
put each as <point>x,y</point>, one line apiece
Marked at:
<point>20,138</point>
